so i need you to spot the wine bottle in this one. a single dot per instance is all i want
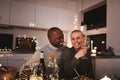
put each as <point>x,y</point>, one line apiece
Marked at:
<point>41,67</point>
<point>39,70</point>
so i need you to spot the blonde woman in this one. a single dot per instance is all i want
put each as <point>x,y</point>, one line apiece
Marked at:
<point>77,60</point>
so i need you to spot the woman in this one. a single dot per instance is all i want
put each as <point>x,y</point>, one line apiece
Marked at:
<point>77,60</point>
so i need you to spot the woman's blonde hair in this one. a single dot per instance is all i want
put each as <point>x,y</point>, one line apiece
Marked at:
<point>78,31</point>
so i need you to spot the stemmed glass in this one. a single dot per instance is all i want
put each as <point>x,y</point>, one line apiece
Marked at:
<point>84,47</point>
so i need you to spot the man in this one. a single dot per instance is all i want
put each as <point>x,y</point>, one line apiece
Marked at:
<point>56,39</point>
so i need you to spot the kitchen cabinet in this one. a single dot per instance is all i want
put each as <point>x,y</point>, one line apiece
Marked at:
<point>31,13</point>
<point>45,16</point>
<point>4,11</point>
<point>14,59</point>
<point>22,13</point>
<point>65,19</point>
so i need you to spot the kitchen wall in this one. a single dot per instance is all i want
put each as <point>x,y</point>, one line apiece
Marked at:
<point>113,25</point>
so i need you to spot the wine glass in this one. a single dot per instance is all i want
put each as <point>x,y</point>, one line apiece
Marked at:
<point>85,48</point>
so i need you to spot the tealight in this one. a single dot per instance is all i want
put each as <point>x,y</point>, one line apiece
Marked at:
<point>105,78</point>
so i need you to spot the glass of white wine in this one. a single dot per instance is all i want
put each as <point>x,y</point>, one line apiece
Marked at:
<point>84,47</point>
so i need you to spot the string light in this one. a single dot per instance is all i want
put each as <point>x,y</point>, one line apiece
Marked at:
<point>75,22</point>
<point>82,22</point>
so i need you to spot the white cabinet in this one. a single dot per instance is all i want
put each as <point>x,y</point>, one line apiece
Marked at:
<point>22,13</point>
<point>25,12</point>
<point>65,19</point>
<point>45,16</point>
<point>4,11</point>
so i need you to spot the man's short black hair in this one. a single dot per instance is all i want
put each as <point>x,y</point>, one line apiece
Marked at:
<point>52,30</point>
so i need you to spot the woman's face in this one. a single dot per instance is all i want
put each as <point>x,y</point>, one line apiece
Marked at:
<point>77,40</point>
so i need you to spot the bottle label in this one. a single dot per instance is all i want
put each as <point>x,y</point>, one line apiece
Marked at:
<point>41,55</point>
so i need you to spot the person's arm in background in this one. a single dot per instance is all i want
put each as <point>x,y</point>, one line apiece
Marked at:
<point>32,61</point>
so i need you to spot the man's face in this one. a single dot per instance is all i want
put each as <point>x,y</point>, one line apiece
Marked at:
<point>57,38</point>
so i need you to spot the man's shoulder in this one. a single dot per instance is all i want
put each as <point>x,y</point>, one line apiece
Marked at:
<point>41,49</point>
<point>45,47</point>
<point>65,48</point>
<point>48,49</point>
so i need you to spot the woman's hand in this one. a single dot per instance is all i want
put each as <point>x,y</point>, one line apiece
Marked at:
<point>81,53</point>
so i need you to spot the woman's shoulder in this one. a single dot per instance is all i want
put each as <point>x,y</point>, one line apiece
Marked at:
<point>65,48</point>
<point>68,50</point>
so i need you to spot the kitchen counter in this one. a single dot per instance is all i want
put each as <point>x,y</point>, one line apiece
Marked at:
<point>106,65</point>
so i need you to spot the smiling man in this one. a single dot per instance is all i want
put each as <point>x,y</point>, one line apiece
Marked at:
<point>56,39</point>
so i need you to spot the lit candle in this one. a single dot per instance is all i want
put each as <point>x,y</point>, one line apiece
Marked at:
<point>93,52</point>
<point>91,45</point>
<point>4,78</point>
<point>24,36</point>
<point>0,65</point>
<point>34,37</point>
<point>105,78</point>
